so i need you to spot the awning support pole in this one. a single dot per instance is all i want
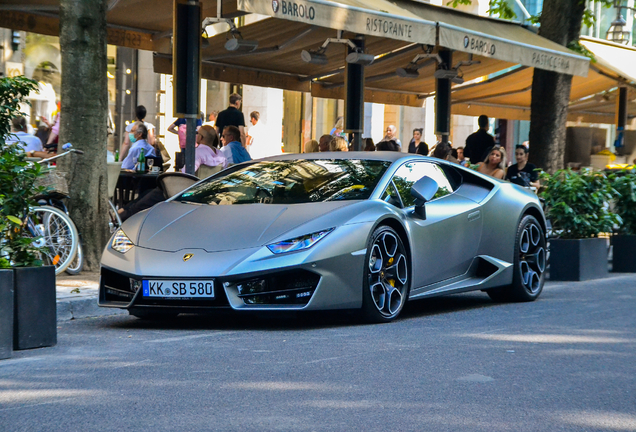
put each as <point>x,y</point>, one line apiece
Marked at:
<point>443,97</point>
<point>621,117</point>
<point>354,96</point>
<point>186,55</point>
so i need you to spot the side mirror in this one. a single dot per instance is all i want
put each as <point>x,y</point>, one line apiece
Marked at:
<point>423,190</point>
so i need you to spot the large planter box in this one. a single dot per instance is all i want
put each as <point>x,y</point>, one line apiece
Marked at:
<point>35,313</point>
<point>578,260</point>
<point>6,313</point>
<point>624,251</point>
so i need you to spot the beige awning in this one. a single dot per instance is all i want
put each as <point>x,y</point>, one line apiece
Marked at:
<point>592,99</point>
<point>370,17</point>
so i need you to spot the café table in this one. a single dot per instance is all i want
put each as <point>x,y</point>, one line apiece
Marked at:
<point>132,184</point>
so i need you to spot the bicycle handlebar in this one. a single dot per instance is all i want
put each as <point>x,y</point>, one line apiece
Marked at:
<point>72,150</point>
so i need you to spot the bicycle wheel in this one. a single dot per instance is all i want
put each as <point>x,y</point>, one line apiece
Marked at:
<point>114,221</point>
<point>77,264</point>
<point>58,236</point>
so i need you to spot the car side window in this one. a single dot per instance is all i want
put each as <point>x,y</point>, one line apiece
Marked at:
<point>391,196</point>
<point>411,172</point>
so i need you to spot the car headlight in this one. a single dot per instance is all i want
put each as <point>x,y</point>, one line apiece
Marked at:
<point>121,243</point>
<point>298,243</point>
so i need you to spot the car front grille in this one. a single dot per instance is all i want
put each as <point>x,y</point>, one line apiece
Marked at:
<point>285,288</point>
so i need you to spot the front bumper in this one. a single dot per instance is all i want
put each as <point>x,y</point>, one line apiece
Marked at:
<point>327,276</point>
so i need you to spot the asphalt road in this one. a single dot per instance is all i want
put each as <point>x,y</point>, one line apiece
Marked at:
<point>566,362</point>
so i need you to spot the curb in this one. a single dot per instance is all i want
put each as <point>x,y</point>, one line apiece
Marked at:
<point>83,308</point>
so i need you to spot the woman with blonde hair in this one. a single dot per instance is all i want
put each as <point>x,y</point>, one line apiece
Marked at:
<point>312,146</point>
<point>338,144</point>
<point>495,163</point>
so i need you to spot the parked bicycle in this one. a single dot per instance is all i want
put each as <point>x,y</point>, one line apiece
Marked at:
<point>51,225</point>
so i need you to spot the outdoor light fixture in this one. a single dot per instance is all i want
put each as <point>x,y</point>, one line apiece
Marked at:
<point>407,72</point>
<point>360,58</point>
<point>619,32</point>
<point>445,74</point>
<point>314,57</point>
<point>320,58</point>
<point>241,45</point>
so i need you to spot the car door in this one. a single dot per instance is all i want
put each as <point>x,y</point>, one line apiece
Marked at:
<point>443,244</point>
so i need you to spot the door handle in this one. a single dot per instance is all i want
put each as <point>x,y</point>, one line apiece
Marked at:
<point>474,216</point>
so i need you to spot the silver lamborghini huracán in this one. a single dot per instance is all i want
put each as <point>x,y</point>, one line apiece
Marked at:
<point>319,231</point>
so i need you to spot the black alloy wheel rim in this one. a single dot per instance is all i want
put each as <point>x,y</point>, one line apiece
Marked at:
<point>532,258</point>
<point>388,274</point>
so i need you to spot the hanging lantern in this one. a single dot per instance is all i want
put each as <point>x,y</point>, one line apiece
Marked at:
<point>618,31</point>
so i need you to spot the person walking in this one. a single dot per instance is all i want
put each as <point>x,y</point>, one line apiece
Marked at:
<point>255,137</point>
<point>478,143</point>
<point>231,116</point>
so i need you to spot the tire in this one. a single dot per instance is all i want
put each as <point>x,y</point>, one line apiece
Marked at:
<point>386,276</point>
<point>530,263</point>
<point>58,240</point>
<point>77,264</point>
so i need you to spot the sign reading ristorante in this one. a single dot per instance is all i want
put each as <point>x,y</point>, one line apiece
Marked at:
<point>343,17</point>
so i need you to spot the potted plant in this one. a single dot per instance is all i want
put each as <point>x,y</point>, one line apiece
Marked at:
<point>577,204</point>
<point>624,241</point>
<point>33,306</point>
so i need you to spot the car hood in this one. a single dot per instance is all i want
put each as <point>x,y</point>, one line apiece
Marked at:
<point>172,226</point>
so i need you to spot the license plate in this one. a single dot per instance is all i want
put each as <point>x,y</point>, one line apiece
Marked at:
<point>175,288</point>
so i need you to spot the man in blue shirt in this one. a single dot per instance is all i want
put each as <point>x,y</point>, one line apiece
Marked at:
<point>138,136</point>
<point>232,149</point>
<point>31,144</point>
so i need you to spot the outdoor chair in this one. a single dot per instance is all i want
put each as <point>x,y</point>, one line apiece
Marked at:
<point>174,182</point>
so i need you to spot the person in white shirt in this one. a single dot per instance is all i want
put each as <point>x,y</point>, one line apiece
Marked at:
<point>255,141</point>
<point>31,144</point>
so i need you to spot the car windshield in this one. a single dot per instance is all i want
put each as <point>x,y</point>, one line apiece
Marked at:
<point>290,182</point>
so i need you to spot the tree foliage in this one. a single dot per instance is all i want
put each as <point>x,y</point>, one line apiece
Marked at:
<point>625,204</point>
<point>17,181</point>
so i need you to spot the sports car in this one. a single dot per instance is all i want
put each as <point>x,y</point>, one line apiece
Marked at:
<point>318,231</point>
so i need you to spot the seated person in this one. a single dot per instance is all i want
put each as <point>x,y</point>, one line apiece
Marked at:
<point>232,149</point>
<point>389,145</point>
<point>29,143</point>
<point>207,153</point>
<point>495,163</point>
<point>338,143</point>
<point>523,173</point>
<point>138,136</point>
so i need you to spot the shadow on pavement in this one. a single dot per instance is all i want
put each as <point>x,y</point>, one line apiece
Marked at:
<point>230,320</point>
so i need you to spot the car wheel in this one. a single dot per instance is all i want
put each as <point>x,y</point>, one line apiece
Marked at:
<point>529,264</point>
<point>386,276</point>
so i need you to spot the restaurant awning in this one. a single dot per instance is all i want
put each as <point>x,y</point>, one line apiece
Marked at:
<point>395,31</point>
<point>592,99</point>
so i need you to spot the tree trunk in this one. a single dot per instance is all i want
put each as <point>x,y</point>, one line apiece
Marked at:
<point>83,122</point>
<point>561,23</point>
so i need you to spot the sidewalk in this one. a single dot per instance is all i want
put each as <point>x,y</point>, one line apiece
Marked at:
<point>77,297</point>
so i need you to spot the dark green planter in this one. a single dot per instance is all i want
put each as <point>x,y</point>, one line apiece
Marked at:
<point>6,313</point>
<point>624,251</point>
<point>578,260</point>
<point>35,313</point>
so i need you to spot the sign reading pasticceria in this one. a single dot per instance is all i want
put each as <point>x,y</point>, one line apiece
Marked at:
<point>558,59</point>
<point>344,17</point>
